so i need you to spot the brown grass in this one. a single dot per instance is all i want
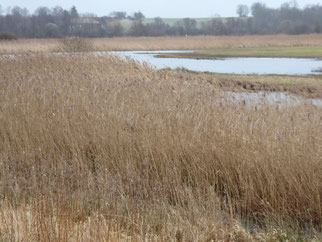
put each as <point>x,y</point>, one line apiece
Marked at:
<point>167,43</point>
<point>95,148</point>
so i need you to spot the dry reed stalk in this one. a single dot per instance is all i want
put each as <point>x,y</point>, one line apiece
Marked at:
<point>92,143</point>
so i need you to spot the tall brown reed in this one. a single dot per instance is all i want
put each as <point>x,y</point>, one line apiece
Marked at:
<point>93,147</point>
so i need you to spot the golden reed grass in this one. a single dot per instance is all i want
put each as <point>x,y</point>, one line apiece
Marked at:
<point>166,43</point>
<point>97,148</point>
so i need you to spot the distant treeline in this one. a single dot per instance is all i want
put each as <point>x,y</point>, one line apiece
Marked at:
<point>58,22</point>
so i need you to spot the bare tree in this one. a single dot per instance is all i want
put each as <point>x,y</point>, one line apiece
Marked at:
<point>137,28</point>
<point>157,28</point>
<point>73,12</point>
<point>138,16</point>
<point>242,10</point>
<point>114,28</point>
<point>21,12</point>
<point>57,11</point>
<point>118,15</point>
<point>190,26</point>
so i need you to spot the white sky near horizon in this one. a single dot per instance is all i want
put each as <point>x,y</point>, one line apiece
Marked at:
<point>151,8</point>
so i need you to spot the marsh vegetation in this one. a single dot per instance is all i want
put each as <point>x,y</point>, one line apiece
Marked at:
<point>99,148</point>
<point>167,43</point>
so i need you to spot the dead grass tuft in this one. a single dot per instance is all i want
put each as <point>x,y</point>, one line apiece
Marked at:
<point>75,44</point>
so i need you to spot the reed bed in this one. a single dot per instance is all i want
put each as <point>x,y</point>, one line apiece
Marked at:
<point>165,43</point>
<point>99,148</point>
<point>207,42</point>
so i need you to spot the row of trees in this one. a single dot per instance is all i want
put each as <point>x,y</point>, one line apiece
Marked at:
<point>287,19</point>
<point>58,22</point>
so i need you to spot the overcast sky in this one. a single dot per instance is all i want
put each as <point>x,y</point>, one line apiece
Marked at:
<point>151,8</point>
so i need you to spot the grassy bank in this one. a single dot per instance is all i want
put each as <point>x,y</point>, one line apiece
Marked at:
<point>291,52</point>
<point>95,148</point>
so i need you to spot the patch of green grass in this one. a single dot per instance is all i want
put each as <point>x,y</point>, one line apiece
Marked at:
<point>293,52</point>
<point>285,80</point>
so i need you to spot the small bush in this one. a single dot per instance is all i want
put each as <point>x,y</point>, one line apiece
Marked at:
<point>8,36</point>
<point>76,44</point>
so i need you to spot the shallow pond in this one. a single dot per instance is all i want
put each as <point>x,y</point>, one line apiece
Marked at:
<point>261,66</point>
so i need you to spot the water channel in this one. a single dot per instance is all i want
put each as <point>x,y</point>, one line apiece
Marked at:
<point>260,66</point>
